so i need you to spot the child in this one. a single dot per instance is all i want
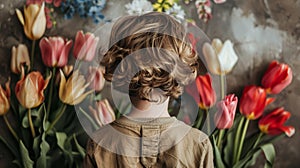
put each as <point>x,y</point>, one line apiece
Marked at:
<point>150,60</point>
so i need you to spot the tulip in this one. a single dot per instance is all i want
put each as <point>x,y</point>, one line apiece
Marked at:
<point>20,56</point>
<point>253,102</point>
<point>55,51</point>
<point>206,96</point>
<point>219,1</point>
<point>35,20</point>
<point>226,112</point>
<point>96,78</point>
<point>103,114</point>
<point>220,57</point>
<point>193,40</point>
<point>272,123</point>
<point>4,99</point>
<point>72,91</point>
<point>277,77</point>
<point>30,89</point>
<point>85,46</point>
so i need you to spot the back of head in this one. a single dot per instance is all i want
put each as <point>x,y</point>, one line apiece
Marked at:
<point>149,52</point>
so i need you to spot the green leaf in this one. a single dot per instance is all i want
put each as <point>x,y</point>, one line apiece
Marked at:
<point>65,146</point>
<point>17,162</point>
<point>217,156</point>
<point>39,114</point>
<point>270,154</point>
<point>80,149</point>
<point>44,146</point>
<point>36,143</point>
<point>26,161</point>
<point>25,122</point>
<point>61,138</point>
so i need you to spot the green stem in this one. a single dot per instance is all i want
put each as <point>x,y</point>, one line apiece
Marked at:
<point>199,119</point>
<point>89,118</point>
<point>258,140</point>
<point>10,128</point>
<point>222,78</point>
<point>220,136</point>
<point>51,91</point>
<point>242,140</point>
<point>30,123</point>
<point>32,53</point>
<point>207,121</point>
<point>237,140</point>
<point>60,113</point>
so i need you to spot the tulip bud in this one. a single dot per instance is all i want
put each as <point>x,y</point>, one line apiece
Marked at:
<point>220,57</point>
<point>103,113</point>
<point>253,102</point>
<point>4,98</point>
<point>72,91</point>
<point>55,51</point>
<point>35,20</point>
<point>202,91</point>
<point>96,78</point>
<point>272,123</point>
<point>19,57</point>
<point>30,89</point>
<point>226,111</point>
<point>277,77</point>
<point>85,46</point>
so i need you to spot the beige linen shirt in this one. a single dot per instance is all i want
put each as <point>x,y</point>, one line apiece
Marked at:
<point>152,143</point>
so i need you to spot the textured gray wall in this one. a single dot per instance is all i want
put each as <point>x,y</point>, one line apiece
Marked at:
<point>262,30</point>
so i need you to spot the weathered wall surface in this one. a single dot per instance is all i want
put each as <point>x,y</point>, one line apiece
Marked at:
<point>262,30</point>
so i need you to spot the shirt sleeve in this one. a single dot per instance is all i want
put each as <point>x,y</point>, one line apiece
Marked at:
<point>89,160</point>
<point>207,155</point>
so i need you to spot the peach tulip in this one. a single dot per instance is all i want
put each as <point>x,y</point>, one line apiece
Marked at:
<point>103,113</point>
<point>19,58</point>
<point>85,46</point>
<point>96,78</point>
<point>30,89</point>
<point>72,91</point>
<point>55,51</point>
<point>277,77</point>
<point>4,98</point>
<point>35,20</point>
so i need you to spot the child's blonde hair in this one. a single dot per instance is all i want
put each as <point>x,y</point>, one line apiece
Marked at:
<point>166,60</point>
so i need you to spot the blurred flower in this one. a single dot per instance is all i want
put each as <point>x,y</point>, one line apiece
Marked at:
<point>177,12</point>
<point>253,102</point>
<point>35,20</point>
<point>30,89</point>
<point>96,78</point>
<point>68,69</point>
<point>226,111</point>
<point>56,3</point>
<point>72,91</point>
<point>204,9</point>
<point>202,91</point>
<point>85,46</point>
<point>4,98</point>
<point>277,77</point>
<point>220,57</point>
<point>103,114</point>
<point>96,14</point>
<point>187,1</point>
<point>19,58</point>
<point>193,40</point>
<point>272,123</point>
<point>138,7</point>
<point>163,5</point>
<point>219,1</point>
<point>55,51</point>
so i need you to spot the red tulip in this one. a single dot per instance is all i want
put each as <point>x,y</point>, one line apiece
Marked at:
<point>55,51</point>
<point>226,112</point>
<point>277,77</point>
<point>96,78</point>
<point>202,91</point>
<point>272,123</point>
<point>253,102</point>
<point>85,46</point>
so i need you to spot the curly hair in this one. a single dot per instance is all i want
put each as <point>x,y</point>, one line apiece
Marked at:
<point>148,52</point>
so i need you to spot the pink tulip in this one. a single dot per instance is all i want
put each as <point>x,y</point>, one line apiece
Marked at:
<point>85,46</point>
<point>226,112</point>
<point>96,78</point>
<point>103,113</point>
<point>55,51</point>
<point>277,77</point>
<point>219,1</point>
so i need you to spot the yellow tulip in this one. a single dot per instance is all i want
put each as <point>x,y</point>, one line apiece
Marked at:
<point>72,91</point>
<point>19,57</point>
<point>30,89</point>
<point>4,98</point>
<point>35,20</point>
<point>220,57</point>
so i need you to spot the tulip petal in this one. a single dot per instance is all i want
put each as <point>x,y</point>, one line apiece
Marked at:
<point>30,13</point>
<point>20,16</point>
<point>79,41</point>
<point>62,86</point>
<point>227,57</point>
<point>211,59</point>
<point>39,25</point>
<point>82,97</point>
